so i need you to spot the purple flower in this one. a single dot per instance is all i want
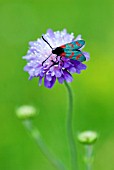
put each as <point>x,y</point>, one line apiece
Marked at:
<point>39,50</point>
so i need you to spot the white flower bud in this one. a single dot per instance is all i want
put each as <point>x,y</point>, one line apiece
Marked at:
<point>25,112</point>
<point>87,137</point>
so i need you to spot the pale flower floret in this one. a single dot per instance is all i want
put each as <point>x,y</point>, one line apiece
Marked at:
<point>25,111</point>
<point>87,137</point>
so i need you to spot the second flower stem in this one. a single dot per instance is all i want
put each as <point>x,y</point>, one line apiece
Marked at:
<point>71,140</point>
<point>36,136</point>
<point>89,157</point>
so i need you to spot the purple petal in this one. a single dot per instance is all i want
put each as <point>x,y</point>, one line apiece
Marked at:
<point>31,43</point>
<point>29,57</point>
<point>58,73</point>
<point>78,71</point>
<point>27,68</point>
<point>75,62</point>
<point>49,84</point>
<point>80,67</point>
<point>40,81</point>
<point>30,77</point>
<point>61,79</point>
<point>66,64</point>
<point>79,37</point>
<point>87,56</point>
<point>31,72</point>
<point>67,76</point>
<point>72,69</point>
<point>52,73</point>
<point>51,33</point>
<point>49,77</point>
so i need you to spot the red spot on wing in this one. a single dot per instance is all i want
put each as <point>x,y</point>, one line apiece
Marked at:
<point>71,45</point>
<point>63,46</point>
<point>63,54</point>
<point>71,55</point>
<point>78,56</point>
<point>78,44</point>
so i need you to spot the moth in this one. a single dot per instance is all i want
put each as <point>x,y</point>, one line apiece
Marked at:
<point>69,50</point>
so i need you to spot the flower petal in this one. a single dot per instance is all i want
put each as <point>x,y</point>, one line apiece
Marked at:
<point>79,37</point>
<point>51,33</point>
<point>49,84</point>
<point>87,55</point>
<point>67,76</point>
<point>40,81</point>
<point>80,67</point>
<point>72,70</point>
<point>58,73</point>
<point>48,77</point>
<point>61,79</point>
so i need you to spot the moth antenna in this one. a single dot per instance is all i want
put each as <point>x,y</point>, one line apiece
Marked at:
<point>46,59</point>
<point>47,42</point>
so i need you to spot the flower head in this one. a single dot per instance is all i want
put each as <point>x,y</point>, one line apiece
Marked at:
<point>26,112</point>
<point>54,67</point>
<point>87,137</point>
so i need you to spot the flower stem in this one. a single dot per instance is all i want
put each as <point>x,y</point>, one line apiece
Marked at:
<point>36,136</point>
<point>89,156</point>
<point>71,140</point>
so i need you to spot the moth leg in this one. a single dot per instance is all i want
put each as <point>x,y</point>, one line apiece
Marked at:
<point>54,63</point>
<point>61,60</point>
<point>56,57</point>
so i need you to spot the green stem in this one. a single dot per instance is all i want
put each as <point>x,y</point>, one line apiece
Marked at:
<point>36,136</point>
<point>89,157</point>
<point>71,140</point>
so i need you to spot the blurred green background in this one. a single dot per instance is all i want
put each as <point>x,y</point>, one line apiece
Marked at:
<point>22,21</point>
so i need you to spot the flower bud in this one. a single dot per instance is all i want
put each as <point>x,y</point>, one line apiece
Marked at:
<point>87,137</point>
<point>25,112</point>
